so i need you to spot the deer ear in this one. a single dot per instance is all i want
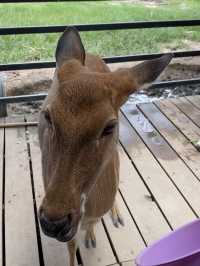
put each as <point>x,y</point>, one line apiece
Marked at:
<point>129,80</point>
<point>148,71</point>
<point>69,47</point>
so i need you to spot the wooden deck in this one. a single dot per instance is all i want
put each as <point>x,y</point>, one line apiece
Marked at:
<point>159,188</point>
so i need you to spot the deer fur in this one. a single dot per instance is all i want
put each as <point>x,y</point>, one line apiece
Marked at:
<point>78,133</point>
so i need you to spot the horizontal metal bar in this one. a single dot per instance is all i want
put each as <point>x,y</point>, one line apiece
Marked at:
<point>41,96</point>
<point>101,27</point>
<point>174,83</point>
<point>141,57</point>
<point>23,98</point>
<point>109,60</point>
<point>20,124</point>
<point>30,65</point>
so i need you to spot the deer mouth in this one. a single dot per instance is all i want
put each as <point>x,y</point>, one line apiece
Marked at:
<point>66,235</point>
<point>63,235</point>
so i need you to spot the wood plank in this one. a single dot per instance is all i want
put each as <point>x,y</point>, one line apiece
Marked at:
<point>102,255</point>
<point>188,109</point>
<point>138,199</point>
<point>174,137</point>
<point>126,239</point>
<point>129,263</point>
<point>189,129</point>
<point>20,232</point>
<point>1,187</point>
<point>195,100</point>
<point>166,195</point>
<point>181,175</point>
<point>55,253</point>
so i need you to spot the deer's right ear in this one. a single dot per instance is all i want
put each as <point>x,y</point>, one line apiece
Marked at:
<point>69,47</point>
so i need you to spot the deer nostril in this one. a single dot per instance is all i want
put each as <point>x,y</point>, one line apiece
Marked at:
<point>69,219</point>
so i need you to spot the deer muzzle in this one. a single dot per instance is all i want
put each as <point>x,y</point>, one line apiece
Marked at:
<point>63,229</point>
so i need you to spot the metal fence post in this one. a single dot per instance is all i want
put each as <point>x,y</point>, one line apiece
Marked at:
<point>3,106</point>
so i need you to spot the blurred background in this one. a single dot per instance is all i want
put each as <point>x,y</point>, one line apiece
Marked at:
<point>41,47</point>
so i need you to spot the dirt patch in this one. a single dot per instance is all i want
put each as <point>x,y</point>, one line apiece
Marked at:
<point>28,81</point>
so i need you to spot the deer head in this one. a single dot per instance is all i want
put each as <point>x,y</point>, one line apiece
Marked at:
<point>78,129</point>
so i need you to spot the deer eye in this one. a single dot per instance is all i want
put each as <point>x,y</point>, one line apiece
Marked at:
<point>110,127</point>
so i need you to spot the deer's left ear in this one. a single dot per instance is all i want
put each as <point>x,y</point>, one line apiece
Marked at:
<point>69,47</point>
<point>127,81</point>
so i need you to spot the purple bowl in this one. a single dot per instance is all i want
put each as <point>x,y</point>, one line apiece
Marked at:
<point>179,248</point>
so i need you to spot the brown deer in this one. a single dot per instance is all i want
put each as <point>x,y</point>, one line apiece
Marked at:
<point>78,133</point>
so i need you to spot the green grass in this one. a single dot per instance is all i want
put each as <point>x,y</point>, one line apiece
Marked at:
<point>41,46</point>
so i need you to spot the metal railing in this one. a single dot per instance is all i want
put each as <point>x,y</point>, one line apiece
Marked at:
<point>95,27</point>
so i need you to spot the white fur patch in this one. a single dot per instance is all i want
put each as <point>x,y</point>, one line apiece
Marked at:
<point>83,200</point>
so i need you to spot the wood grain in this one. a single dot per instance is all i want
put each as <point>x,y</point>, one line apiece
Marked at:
<point>169,199</point>
<point>20,231</point>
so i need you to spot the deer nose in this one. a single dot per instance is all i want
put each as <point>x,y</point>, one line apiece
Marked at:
<point>57,228</point>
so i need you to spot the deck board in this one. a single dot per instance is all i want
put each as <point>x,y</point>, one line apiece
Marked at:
<point>129,263</point>
<point>93,256</point>
<point>159,186</point>
<point>20,232</point>
<point>180,120</point>
<point>188,109</point>
<point>195,100</point>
